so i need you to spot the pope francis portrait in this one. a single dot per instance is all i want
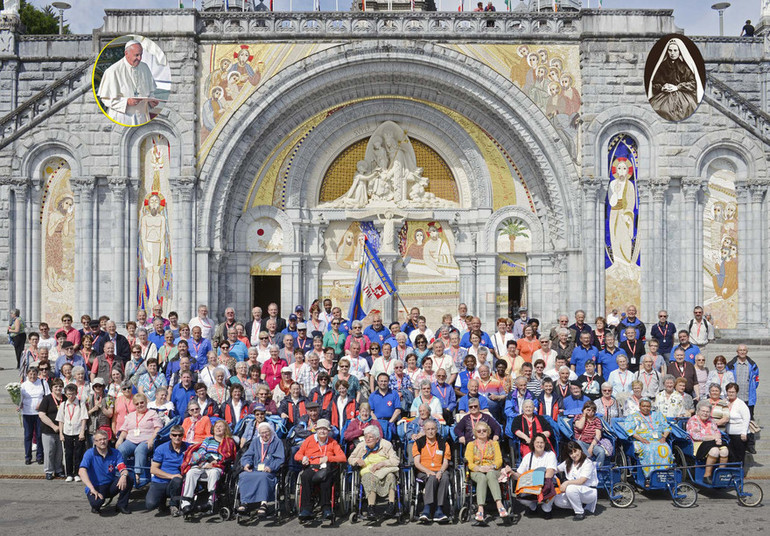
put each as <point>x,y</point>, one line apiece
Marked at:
<point>127,88</point>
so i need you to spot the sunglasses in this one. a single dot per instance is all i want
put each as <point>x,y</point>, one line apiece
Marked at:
<point>263,338</point>
<point>175,435</point>
<point>472,407</point>
<point>343,366</point>
<point>43,368</point>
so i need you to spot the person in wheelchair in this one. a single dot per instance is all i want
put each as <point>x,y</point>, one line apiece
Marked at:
<point>707,439</point>
<point>210,457</point>
<point>251,429</point>
<point>587,429</point>
<point>527,425</point>
<point>378,461</point>
<point>261,462</point>
<point>319,456</point>
<point>307,424</point>
<point>649,431</point>
<point>355,430</point>
<point>484,460</point>
<point>465,428</point>
<point>431,459</point>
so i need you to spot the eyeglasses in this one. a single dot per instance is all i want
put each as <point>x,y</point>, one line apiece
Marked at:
<point>43,368</point>
<point>343,366</point>
<point>263,338</point>
<point>662,316</point>
<point>193,409</point>
<point>136,351</point>
<point>175,435</point>
<point>400,367</point>
<point>335,323</point>
<point>473,407</point>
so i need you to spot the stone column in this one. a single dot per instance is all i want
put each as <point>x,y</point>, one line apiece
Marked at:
<point>119,309</point>
<point>20,219</point>
<point>83,188</point>
<point>656,246</point>
<point>132,225</point>
<point>560,262</point>
<point>689,252</point>
<point>487,289</point>
<point>290,283</point>
<point>35,244</point>
<point>755,292</point>
<point>745,254</point>
<point>203,280</point>
<point>185,190</point>
<point>593,237</point>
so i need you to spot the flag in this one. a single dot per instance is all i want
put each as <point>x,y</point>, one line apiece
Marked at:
<point>508,4</point>
<point>373,285</point>
<point>555,9</point>
<point>461,7</point>
<point>363,5</point>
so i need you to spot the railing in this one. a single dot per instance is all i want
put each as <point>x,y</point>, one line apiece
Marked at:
<point>422,25</point>
<point>45,103</point>
<point>737,108</point>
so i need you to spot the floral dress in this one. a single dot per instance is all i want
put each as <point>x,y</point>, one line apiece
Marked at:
<point>651,427</point>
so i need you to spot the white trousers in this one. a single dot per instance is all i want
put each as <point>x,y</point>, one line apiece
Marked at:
<point>532,505</point>
<point>192,476</point>
<point>575,497</point>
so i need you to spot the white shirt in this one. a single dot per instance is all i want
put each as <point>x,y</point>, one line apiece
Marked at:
<point>71,416</point>
<point>206,324</point>
<point>359,367</point>
<point>500,342</point>
<point>49,343</point>
<point>428,335</point>
<point>554,375</point>
<point>700,333</point>
<point>32,394</point>
<point>586,470</point>
<point>621,381</point>
<point>163,411</point>
<point>460,323</point>
<point>121,82</point>
<point>206,375</point>
<point>547,460</point>
<point>550,359</point>
<point>444,362</point>
<point>739,418</point>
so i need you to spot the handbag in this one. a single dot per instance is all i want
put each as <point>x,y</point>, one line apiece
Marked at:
<point>754,428</point>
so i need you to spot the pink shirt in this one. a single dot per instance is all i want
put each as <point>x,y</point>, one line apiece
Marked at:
<point>272,372</point>
<point>73,336</point>
<point>140,428</point>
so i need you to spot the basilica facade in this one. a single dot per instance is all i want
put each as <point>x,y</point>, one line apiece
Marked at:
<point>498,159</point>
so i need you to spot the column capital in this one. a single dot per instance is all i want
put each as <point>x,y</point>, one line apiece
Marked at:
<point>658,187</point>
<point>592,186</point>
<point>117,185</point>
<point>19,185</point>
<point>82,185</point>
<point>691,186</point>
<point>758,190</point>
<point>743,191</point>
<point>185,186</point>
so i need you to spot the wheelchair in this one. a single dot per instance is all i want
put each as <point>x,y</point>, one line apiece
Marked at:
<point>357,497</point>
<point>416,495</point>
<point>275,508</point>
<point>466,493</point>
<point>294,502</point>
<point>514,442</point>
<point>223,497</point>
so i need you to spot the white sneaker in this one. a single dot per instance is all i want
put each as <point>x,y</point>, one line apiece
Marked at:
<point>34,447</point>
<point>69,479</point>
<point>77,479</point>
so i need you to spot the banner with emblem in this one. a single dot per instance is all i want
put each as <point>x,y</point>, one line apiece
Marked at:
<point>373,285</point>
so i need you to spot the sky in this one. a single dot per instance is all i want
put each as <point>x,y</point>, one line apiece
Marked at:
<point>695,16</point>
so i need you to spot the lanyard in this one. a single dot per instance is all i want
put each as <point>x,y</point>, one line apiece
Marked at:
<point>442,391</point>
<point>647,379</point>
<point>563,390</point>
<point>335,337</point>
<point>633,350</point>
<point>431,455</point>
<point>623,378</point>
<point>139,421</point>
<point>682,370</point>
<point>71,411</point>
<point>263,452</point>
<point>483,449</point>
<point>57,402</point>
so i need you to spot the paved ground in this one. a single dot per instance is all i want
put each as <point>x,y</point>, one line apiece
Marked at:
<point>66,512</point>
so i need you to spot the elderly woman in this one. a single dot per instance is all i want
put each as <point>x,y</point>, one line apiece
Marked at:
<point>148,349</point>
<point>152,380</point>
<point>622,377</point>
<point>138,434</point>
<point>401,383</point>
<point>211,457</point>
<point>421,348</point>
<point>631,404</point>
<point>264,397</point>
<point>197,427</point>
<point>527,425</point>
<point>32,393</point>
<point>30,355</point>
<point>218,390</point>
<point>720,409</point>
<point>80,381</point>
<point>702,373</point>
<point>669,402</point>
<point>649,429</point>
<point>343,374</point>
<point>426,397</point>
<point>540,457</point>
<point>707,439</point>
<point>720,375</point>
<point>263,349</point>
<point>688,405</point>
<point>355,430</point>
<point>484,461</point>
<point>379,468</point>
<point>528,344</point>
<point>345,405</point>
<point>738,427</point>
<point>252,383</point>
<point>168,351</point>
<point>261,462</point>
<point>241,373</point>
<point>319,455</point>
<point>578,491</point>
<point>588,432</point>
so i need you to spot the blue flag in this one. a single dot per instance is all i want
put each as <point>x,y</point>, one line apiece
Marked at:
<point>373,286</point>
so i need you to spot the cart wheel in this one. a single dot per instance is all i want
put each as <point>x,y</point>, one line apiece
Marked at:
<point>621,461</point>
<point>224,513</point>
<point>752,494</point>
<point>681,461</point>
<point>625,495</point>
<point>686,495</point>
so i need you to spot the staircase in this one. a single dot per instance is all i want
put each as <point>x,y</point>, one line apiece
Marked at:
<point>733,105</point>
<point>45,104</point>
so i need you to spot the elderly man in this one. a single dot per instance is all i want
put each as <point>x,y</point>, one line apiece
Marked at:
<point>377,332</point>
<point>319,456</point>
<point>127,88</point>
<point>104,363</point>
<point>272,314</point>
<point>431,459</point>
<point>203,322</point>
<point>690,350</point>
<point>70,357</point>
<point>701,331</point>
<point>680,368</point>
<point>220,333</point>
<point>464,429</point>
<point>254,326</point>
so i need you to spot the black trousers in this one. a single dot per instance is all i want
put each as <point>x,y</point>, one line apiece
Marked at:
<point>74,449</point>
<point>18,346</point>
<point>324,479</point>
<point>738,448</point>
<point>110,490</point>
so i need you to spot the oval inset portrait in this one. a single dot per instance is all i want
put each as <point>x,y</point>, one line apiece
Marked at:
<point>131,80</point>
<point>674,77</point>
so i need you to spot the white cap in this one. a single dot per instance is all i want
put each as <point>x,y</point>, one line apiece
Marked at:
<point>132,43</point>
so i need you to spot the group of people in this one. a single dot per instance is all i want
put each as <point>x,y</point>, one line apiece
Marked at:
<point>313,392</point>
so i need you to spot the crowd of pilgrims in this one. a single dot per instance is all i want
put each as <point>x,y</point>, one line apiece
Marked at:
<point>93,397</point>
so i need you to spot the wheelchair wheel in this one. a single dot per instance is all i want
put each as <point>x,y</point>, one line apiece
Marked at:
<point>755,497</point>
<point>686,495</point>
<point>625,495</point>
<point>224,513</point>
<point>464,515</point>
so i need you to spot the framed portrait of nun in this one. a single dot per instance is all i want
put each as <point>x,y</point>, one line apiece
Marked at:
<point>674,77</point>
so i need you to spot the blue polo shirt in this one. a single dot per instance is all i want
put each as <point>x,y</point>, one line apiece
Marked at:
<point>608,360</point>
<point>462,404</point>
<point>199,351</point>
<point>579,357</point>
<point>238,350</point>
<point>574,406</point>
<point>157,339</point>
<point>665,335</point>
<point>180,397</point>
<point>446,394</point>
<point>393,342</point>
<point>408,327</point>
<point>689,353</point>
<point>102,469</point>
<point>465,342</point>
<point>377,336</point>
<point>170,460</point>
<point>383,406</point>
<point>463,377</point>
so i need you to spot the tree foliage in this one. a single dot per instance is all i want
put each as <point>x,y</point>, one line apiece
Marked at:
<point>39,21</point>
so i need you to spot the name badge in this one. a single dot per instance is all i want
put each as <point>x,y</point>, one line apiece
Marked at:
<point>137,432</point>
<point>655,435</point>
<point>261,467</point>
<point>440,452</point>
<point>432,464</point>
